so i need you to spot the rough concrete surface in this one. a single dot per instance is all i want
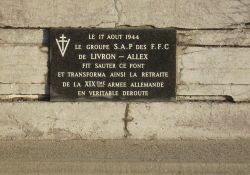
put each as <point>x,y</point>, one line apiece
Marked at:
<point>185,13</point>
<point>60,121</point>
<point>57,13</point>
<point>238,37</point>
<point>112,120</point>
<point>189,120</point>
<point>102,13</point>
<point>130,157</point>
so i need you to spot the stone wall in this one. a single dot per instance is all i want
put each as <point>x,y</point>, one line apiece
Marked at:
<point>213,71</point>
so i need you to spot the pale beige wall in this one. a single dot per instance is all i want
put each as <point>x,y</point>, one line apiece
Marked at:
<point>213,56</point>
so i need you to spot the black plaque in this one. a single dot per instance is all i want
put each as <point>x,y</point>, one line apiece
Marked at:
<point>112,64</point>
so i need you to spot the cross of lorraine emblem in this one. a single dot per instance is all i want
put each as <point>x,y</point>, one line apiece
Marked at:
<point>62,44</point>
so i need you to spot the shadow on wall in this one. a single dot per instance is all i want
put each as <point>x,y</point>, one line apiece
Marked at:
<point>45,43</point>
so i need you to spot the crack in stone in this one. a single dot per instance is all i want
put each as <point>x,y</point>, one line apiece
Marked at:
<point>119,11</point>
<point>102,23</point>
<point>244,4</point>
<point>127,119</point>
<point>28,130</point>
<point>63,133</point>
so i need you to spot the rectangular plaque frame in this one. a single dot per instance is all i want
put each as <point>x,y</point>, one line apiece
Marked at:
<point>96,57</point>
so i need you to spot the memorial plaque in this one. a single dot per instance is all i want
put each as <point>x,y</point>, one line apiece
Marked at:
<point>130,64</point>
